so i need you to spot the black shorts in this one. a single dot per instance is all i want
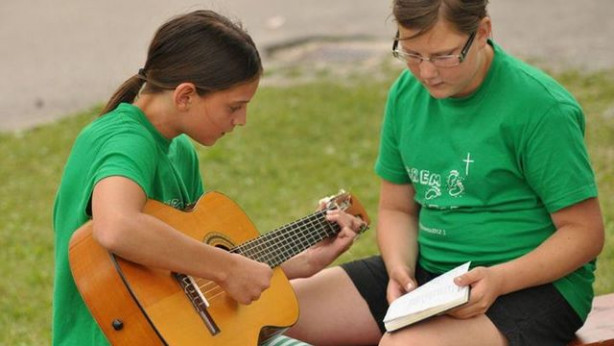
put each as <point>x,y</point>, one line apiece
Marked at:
<point>533,316</point>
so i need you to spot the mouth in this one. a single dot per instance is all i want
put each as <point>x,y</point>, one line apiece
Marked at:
<point>433,85</point>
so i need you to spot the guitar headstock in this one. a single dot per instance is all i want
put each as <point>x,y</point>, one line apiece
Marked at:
<point>348,203</point>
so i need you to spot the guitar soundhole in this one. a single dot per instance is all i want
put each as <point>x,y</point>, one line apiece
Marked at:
<point>219,240</point>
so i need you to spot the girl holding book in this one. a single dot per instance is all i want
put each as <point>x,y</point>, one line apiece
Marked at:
<point>481,159</point>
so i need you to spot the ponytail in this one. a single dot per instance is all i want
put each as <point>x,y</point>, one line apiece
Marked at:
<point>127,92</point>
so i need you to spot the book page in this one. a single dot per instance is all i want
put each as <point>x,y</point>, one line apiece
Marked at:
<point>436,292</point>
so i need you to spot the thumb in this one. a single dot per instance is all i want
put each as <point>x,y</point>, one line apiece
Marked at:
<point>468,278</point>
<point>401,287</point>
<point>408,285</point>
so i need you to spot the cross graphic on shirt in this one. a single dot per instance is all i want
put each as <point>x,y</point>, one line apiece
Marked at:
<point>468,161</point>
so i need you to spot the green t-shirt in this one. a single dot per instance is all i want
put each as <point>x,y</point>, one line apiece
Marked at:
<point>489,168</point>
<point>121,143</point>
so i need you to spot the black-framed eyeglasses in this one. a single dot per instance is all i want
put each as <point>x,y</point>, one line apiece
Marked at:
<point>439,60</point>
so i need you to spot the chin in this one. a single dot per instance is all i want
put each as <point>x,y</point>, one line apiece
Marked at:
<point>207,142</point>
<point>440,93</point>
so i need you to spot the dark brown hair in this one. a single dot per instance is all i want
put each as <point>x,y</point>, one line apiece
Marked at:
<point>422,15</point>
<point>201,47</point>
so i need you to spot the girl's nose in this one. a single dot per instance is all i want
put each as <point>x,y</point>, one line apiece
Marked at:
<point>427,69</point>
<point>240,119</point>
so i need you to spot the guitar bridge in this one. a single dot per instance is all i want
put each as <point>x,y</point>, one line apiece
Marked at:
<point>198,300</point>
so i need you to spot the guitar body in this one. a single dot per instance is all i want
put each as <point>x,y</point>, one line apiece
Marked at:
<point>134,304</point>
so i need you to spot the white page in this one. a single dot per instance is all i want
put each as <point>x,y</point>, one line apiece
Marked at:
<point>435,292</point>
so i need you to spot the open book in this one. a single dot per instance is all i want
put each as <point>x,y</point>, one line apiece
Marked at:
<point>432,298</point>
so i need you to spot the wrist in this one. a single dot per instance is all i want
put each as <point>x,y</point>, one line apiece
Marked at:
<point>499,272</point>
<point>296,267</point>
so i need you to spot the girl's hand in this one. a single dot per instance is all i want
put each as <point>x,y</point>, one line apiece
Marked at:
<point>485,285</point>
<point>400,283</point>
<point>246,279</point>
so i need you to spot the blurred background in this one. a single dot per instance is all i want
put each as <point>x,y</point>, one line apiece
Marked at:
<point>59,57</point>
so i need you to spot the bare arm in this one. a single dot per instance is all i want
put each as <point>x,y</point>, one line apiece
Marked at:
<point>578,239</point>
<point>121,227</point>
<point>397,236</point>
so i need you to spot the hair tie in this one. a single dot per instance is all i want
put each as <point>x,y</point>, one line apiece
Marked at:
<point>141,74</point>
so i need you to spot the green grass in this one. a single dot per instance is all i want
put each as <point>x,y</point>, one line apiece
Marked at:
<point>302,142</point>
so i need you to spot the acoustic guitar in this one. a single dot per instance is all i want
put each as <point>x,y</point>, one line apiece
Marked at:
<point>138,305</point>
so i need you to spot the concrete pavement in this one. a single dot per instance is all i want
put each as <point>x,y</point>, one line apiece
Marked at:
<point>60,57</point>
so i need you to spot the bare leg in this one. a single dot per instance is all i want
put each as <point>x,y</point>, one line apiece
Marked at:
<point>332,311</point>
<point>444,330</point>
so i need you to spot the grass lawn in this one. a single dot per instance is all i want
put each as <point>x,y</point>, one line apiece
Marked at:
<point>302,142</point>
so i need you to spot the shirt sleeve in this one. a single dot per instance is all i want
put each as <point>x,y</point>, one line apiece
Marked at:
<point>389,163</point>
<point>555,160</point>
<point>127,154</point>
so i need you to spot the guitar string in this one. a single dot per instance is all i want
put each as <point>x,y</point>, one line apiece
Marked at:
<point>266,243</point>
<point>303,227</point>
<point>210,289</point>
<point>248,247</point>
<point>259,245</point>
<point>306,226</point>
<point>282,240</point>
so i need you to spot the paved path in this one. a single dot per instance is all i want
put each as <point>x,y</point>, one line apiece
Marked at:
<point>59,57</point>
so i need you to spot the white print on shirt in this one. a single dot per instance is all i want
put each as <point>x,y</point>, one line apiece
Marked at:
<point>427,178</point>
<point>175,203</point>
<point>454,181</point>
<point>455,184</point>
<point>468,161</point>
<point>436,231</point>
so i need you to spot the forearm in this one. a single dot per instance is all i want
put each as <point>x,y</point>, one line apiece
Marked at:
<point>558,256</point>
<point>578,239</point>
<point>298,267</point>
<point>397,238</point>
<point>148,241</point>
<point>397,228</point>
<point>121,227</point>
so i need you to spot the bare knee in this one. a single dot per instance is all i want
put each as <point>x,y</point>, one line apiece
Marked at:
<point>332,311</point>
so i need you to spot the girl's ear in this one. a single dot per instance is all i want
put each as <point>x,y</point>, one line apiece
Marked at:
<point>484,31</point>
<point>183,95</point>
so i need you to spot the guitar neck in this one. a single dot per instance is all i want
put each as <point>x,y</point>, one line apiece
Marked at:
<point>277,246</point>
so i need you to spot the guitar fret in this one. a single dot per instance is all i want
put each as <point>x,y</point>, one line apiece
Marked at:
<point>279,245</point>
<point>332,228</point>
<point>278,254</point>
<point>307,233</point>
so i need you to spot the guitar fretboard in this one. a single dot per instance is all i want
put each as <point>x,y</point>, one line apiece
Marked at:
<point>277,246</point>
